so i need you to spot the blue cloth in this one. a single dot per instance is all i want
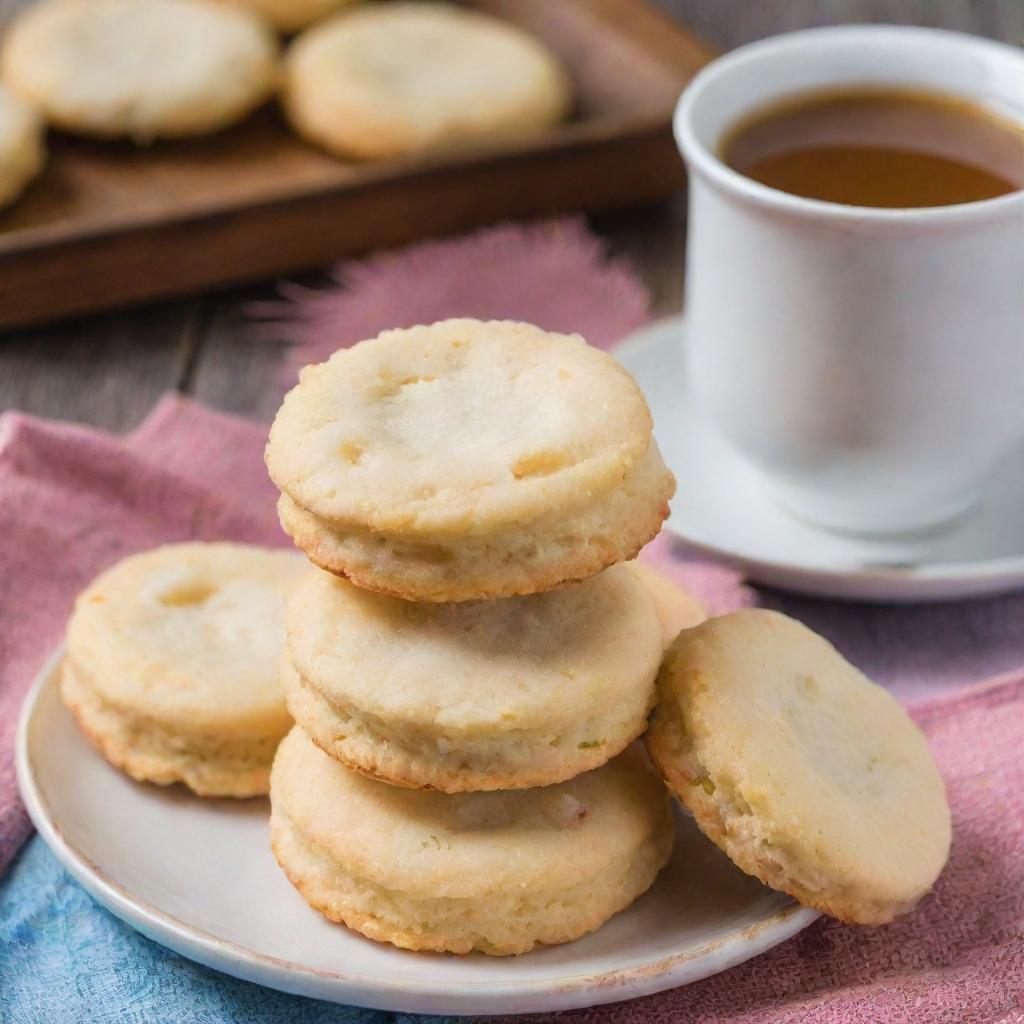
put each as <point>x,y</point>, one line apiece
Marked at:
<point>66,960</point>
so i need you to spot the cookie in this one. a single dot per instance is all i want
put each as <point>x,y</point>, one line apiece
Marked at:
<point>675,607</point>
<point>142,69</point>
<point>388,80</point>
<point>478,695</point>
<point>22,153</point>
<point>809,776</point>
<point>291,15</point>
<point>467,460</point>
<point>494,872</point>
<point>172,665</point>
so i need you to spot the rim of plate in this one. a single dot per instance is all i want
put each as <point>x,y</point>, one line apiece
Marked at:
<point>664,972</point>
<point>982,569</point>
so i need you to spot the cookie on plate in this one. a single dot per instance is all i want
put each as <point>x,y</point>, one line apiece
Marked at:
<point>172,665</point>
<point>808,775</point>
<point>142,69</point>
<point>22,153</point>
<point>478,695</point>
<point>676,608</point>
<point>387,80</point>
<point>494,872</point>
<point>467,460</point>
<point>291,15</point>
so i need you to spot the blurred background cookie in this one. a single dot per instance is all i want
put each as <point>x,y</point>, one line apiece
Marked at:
<point>467,460</point>
<point>171,666</point>
<point>392,79</point>
<point>477,695</point>
<point>494,872</point>
<point>142,69</point>
<point>807,774</point>
<point>291,15</point>
<point>22,152</point>
<point>676,608</point>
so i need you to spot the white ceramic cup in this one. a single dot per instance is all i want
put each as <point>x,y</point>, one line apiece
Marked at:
<point>869,361</point>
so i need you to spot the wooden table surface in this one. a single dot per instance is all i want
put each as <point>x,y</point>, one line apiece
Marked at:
<point>109,370</point>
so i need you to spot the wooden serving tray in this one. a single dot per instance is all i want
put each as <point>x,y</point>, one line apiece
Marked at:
<point>109,224</point>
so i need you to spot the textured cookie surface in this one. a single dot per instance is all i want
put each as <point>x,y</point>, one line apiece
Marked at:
<point>172,664</point>
<point>495,872</point>
<point>478,695</point>
<point>144,69</point>
<point>397,78</point>
<point>467,459</point>
<point>676,608</point>
<point>804,772</point>
<point>22,153</point>
<point>291,15</point>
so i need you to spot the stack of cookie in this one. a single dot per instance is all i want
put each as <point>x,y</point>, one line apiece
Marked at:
<point>473,651</point>
<point>468,665</point>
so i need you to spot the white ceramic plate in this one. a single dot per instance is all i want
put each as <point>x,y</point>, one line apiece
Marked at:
<point>722,510</point>
<point>198,877</point>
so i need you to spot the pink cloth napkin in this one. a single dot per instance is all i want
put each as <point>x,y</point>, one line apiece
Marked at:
<point>72,501</point>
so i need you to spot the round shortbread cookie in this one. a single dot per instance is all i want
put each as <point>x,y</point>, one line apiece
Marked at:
<point>143,69</point>
<point>22,153</point>
<point>392,79</point>
<point>494,872</point>
<point>467,460</point>
<point>291,15</point>
<point>808,775</point>
<point>172,664</point>
<point>478,695</point>
<point>676,608</point>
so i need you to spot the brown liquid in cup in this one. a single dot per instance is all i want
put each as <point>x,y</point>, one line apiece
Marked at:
<point>880,147</point>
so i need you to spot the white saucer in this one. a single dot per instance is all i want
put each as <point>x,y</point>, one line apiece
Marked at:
<point>721,509</point>
<point>198,876</point>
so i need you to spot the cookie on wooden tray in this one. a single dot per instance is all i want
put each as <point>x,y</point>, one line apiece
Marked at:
<point>496,872</point>
<point>676,608</point>
<point>809,776</point>
<point>390,79</point>
<point>291,15</point>
<point>172,665</point>
<point>467,460</point>
<point>478,695</point>
<point>141,69</point>
<point>22,152</point>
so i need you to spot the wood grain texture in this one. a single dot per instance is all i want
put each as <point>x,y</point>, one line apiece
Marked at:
<point>731,23</point>
<point>109,370</point>
<point>237,368</point>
